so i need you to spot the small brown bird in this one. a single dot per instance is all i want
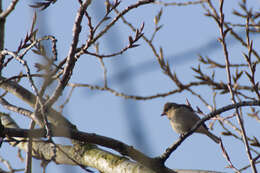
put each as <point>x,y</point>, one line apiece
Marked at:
<point>183,118</point>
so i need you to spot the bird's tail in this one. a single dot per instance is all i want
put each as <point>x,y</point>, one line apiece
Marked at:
<point>205,131</point>
<point>213,137</point>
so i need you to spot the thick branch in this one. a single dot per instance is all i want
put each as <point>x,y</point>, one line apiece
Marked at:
<point>93,138</point>
<point>53,116</point>
<point>85,154</point>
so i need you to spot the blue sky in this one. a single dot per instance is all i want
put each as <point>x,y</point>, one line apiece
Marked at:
<point>186,33</point>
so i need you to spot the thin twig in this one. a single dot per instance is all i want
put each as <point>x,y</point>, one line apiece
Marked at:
<point>102,65</point>
<point>67,99</point>
<point>71,60</point>
<point>180,3</point>
<point>38,97</point>
<point>138,4</point>
<point>29,152</point>
<point>21,111</point>
<point>220,21</point>
<point>252,66</point>
<point>225,154</point>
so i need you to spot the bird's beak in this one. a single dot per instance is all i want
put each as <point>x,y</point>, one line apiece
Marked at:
<point>163,114</point>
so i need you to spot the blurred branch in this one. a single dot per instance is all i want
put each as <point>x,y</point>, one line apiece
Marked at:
<point>44,4</point>
<point>8,165</point>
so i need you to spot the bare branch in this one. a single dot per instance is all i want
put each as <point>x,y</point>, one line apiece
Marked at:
<point>180,3</point>
<point>21,111</point>
<point>9,9</point>
<point>71,60</point>
<point>223,33</point>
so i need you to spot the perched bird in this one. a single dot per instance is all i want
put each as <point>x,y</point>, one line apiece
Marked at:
<point>183,118</point>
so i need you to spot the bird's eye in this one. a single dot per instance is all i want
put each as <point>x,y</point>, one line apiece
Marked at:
<point>167,108</point>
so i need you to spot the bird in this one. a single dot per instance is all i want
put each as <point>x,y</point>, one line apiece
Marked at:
<point>182,118</point>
